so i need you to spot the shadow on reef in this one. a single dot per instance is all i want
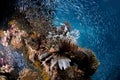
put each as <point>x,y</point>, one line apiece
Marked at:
<point>7,9</point>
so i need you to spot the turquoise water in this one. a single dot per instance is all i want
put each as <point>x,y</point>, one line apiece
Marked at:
<point>98,22</point>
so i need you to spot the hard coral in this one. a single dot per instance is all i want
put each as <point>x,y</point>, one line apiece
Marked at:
<point>28,74</point>
<point>69,57</point>
<point>51,51</point>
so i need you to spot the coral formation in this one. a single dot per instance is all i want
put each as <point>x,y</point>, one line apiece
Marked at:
<point>48,51</point>
<point>27,74</point>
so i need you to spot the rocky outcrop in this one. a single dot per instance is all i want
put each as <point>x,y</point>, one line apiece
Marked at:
<point>50,51</point>
<point>28,74</point>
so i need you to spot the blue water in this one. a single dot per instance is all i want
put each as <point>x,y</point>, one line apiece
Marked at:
<point>99,24</point>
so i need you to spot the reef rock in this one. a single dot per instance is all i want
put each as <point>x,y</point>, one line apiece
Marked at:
<point>3,77</point>
<point>50,52</point>
<point>28,74</point>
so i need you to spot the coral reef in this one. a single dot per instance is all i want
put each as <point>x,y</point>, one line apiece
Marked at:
<point>27,74</point>
<point>49,52</point>
<point>44,51</point>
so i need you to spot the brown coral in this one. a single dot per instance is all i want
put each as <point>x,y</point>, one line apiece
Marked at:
<point>77,63</point>
<point>27,74</point>
<point>51,56</point>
